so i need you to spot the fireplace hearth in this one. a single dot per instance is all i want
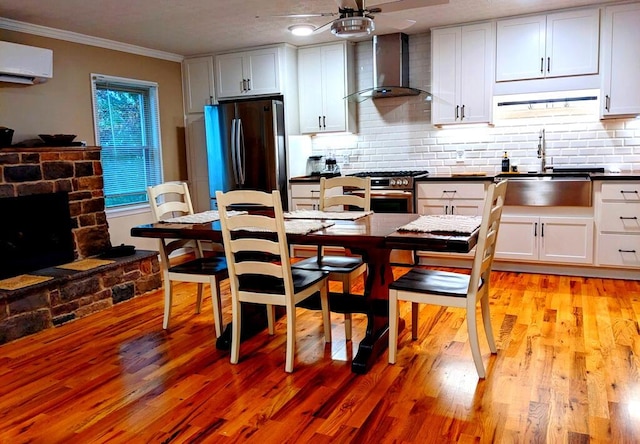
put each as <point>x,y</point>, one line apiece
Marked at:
<point>36,183</point>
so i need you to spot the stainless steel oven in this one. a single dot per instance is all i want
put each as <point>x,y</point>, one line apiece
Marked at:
<point>392,191</point>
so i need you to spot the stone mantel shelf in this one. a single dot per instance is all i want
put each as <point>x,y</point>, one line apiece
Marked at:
<point>40,149</point>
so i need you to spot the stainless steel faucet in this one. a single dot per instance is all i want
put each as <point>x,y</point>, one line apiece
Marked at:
<point>541,151</point>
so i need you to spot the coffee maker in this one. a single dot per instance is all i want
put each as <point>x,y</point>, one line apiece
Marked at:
<point>331,167</point>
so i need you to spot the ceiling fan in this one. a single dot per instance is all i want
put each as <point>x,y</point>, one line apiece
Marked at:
<point>354,19</point>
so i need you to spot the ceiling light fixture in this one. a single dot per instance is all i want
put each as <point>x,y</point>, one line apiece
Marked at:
<point>352,27</point>
<point>302,29</point>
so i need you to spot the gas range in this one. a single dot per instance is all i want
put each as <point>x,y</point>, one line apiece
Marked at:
<point>392,180</point>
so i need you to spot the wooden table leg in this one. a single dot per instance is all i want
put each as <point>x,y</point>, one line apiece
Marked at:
<point>376,340</point>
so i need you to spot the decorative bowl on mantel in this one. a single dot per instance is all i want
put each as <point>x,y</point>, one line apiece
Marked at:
<point>57,139</point>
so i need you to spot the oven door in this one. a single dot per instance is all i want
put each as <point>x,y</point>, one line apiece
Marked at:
<point>391,201</point>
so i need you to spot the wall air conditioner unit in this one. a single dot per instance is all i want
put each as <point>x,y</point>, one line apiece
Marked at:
<point>25,64</point>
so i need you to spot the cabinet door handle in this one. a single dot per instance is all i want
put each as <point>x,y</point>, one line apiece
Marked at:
<point>548,64</point>
<point>320,122</point>
<point>607,103</point>
<point>628,217</point>
<point>244,85</point>
<point>248,84</point>
<point>462,113</point>
<point>541,230</point>
<point>629,192</point>
<point>453,209</point>
<point>324,121</point>
<point>446,209</point>
<point>620,250</point>
<point>535,229</point>
<point>541,65</point>
<point>457,111</point>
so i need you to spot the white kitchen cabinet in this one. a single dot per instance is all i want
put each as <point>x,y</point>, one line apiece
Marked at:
<point>618,223</point>
<point>455,197</point>
<point>543,46</point>
<point>197,164</point>
<point>248,73</point>
<point>564,240</point>
<point>305,196</point>
<point>620,90</point>
<point>462,60</point>
<point>197,74</point>
<point>325,78</point>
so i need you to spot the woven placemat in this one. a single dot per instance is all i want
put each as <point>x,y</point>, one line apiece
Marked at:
<point>21,281</point>
<point>85,264</point>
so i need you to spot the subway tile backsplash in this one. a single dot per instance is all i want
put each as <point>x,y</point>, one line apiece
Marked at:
<point>396,133</point>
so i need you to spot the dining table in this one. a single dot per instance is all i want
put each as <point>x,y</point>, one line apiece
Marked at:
<point>373,236</point>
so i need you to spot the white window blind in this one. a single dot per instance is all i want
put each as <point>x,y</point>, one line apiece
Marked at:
<point>125,113</point>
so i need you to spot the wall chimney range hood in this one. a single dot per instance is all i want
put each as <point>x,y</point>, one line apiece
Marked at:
<point>390,69</point>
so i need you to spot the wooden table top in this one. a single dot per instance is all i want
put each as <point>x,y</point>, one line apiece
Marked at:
<point>377,230</point>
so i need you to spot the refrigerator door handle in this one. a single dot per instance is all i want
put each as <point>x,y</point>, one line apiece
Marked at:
<point>234,157</point>
<point>240,150</point>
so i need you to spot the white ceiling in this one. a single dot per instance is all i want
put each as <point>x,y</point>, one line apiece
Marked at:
<point>192,27</point>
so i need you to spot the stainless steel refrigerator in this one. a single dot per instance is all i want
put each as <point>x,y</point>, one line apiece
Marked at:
<point>246,147</point>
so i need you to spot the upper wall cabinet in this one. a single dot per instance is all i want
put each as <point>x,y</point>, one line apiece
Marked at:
<point>249,73</point>
<point>553,45</point>
<point>621,60</point>
<point>198,83</point>
<point>462,60</point>
<point>325,77</point>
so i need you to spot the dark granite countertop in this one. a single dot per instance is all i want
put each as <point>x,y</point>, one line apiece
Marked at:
<point>492,177</point>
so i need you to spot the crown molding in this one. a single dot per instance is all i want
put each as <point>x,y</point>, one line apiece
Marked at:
<point>14,25</point>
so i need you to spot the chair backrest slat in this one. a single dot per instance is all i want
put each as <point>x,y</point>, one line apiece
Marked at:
<point>487,237</point>
<point>255,244</point>
<point>360,192</point>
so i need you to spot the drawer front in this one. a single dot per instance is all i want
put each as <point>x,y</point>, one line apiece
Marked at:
<point>305,191</point>
<point>622,191</point>
<point>450,190</point>
<point>619,250</point>
<point>620,217</point>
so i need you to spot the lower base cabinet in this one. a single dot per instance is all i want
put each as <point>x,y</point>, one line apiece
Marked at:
<point>567,240</point>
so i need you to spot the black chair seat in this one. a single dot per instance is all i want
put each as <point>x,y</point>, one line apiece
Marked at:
<point>302,279</point>
<point>443,283</point>
<point>332,264</point>
<point>212,265</point>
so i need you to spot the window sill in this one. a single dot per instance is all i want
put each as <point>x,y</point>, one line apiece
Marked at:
<point>128,210</point>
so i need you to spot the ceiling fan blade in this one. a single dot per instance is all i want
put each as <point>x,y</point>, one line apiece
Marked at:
<point>310,15</point>
<point>323,28</point>
<point>349,4</point>
<point>401,5</point>
<point>392,22</point>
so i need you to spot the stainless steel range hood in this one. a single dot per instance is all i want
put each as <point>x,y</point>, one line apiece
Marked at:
<point>390,69</point>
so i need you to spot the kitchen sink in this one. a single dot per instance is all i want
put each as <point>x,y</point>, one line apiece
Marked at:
<point>570,189</point>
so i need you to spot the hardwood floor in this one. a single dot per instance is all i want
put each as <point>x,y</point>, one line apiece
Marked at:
<point>567,370</point>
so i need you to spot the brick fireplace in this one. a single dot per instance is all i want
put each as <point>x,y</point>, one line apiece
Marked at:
<point>70,294</point>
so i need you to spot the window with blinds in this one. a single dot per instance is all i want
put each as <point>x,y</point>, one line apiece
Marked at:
<point>125,114</point>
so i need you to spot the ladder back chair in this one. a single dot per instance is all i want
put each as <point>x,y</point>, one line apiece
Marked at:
<point>344,269</point>
<point>172,199</point>
<point>424,286</point>
<point>260,271</point>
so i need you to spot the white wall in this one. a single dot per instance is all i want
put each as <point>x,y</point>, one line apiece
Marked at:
<point>120,224</point>
<point>396,133</point>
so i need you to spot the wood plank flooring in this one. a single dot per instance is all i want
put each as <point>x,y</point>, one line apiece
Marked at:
<point>567,371</point>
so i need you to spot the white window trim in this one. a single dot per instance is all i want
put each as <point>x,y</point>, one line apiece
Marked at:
<point>136,208</point>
